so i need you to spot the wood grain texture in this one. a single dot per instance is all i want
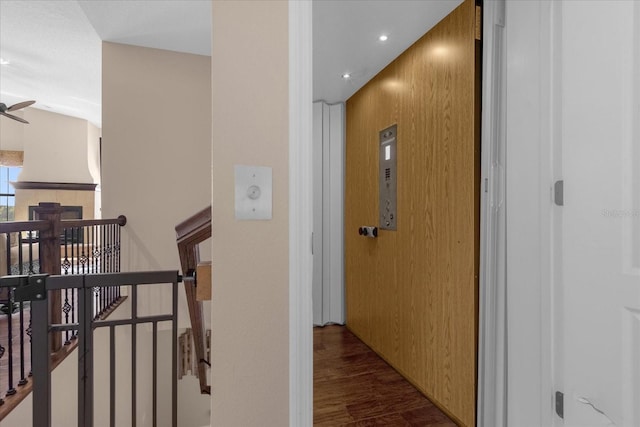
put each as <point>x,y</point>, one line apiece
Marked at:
<point>354,387</point>
<point>203,278</point>
<point>411,294</point>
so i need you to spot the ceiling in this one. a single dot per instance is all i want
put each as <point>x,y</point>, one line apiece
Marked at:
<point>345,39</point>
<point>54,47</point>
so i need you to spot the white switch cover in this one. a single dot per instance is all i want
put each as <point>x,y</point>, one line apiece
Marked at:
<point>253,192</point>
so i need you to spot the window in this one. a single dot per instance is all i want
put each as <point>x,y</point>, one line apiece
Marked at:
<point>8,174</point>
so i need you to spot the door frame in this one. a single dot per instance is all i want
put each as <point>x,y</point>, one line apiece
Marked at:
<point>519,130</point>
<point>492,310</point>
<point>526,329</point>
<point>532,102</point>
<point>300,213</point>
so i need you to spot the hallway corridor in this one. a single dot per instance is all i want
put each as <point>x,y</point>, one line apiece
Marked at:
<point>352,386</point>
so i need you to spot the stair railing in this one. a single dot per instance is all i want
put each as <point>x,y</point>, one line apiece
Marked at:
<point>54,246</point>
<point>189,234</point>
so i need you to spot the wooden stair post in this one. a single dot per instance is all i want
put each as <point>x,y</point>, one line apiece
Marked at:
<point>49,240</point>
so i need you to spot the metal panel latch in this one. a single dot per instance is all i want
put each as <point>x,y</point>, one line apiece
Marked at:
<point>27,288</point>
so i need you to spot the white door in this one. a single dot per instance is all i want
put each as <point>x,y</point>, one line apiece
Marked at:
<point>597,250</point>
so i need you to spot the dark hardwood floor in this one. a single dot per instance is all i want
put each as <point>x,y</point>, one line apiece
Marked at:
<point>352,386</point>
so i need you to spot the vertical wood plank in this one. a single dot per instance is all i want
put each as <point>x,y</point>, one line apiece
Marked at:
<point>411,294</point>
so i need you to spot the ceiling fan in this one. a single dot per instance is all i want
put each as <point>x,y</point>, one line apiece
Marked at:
<point>15,107</point>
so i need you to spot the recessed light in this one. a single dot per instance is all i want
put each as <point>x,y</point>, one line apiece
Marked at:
<point>383,38</point>
<point>4,62</point>
<point>346,76</point>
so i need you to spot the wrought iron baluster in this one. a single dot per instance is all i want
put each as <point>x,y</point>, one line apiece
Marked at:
<point>108,239</point>
<point>66,308</point>
<point>65,262</point>
<point>118,246</point>
<point>112,291</point>
<point>96,307</point>
<point>29,333</point>
<point>107,251</point>
<point>8,247</point>
<point>89,251</point>
<point>3,350</point>
<point>113,246</point>
<point>20,262</point>
<point>107,248</point>
<point>9,306</point>
<point>102,251</point>
<point>110,229</point>
<point>74,333</point>
<point>72,254</point>
<point>66,265</point>
<point>23,379</point>
<point>77,243</point>
<point>31,270</point>
<point>96,253</point>
<point>83,245</point>
<point>11,390</point>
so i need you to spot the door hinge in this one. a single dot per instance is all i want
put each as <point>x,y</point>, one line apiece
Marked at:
<point>560,404</point>
<point>27,288</point>
<point>558,193</point>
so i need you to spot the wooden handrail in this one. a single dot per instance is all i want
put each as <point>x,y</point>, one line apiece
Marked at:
<point>18,226</point>
<point>70,223</point>
<point>189,234</point>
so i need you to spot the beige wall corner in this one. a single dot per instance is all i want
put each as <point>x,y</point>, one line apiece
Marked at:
<point>156,147</point>
<point>250,301</point>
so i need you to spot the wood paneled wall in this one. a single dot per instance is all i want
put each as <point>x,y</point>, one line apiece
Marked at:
<point>411,294</point>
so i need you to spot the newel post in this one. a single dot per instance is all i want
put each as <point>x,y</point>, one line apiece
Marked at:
<point>50,260</point>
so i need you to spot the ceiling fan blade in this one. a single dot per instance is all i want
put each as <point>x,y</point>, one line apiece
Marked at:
<point>20,105</point>
<point>11,116</point>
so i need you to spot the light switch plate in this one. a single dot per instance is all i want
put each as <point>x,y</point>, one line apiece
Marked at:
<point>253,192</point>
